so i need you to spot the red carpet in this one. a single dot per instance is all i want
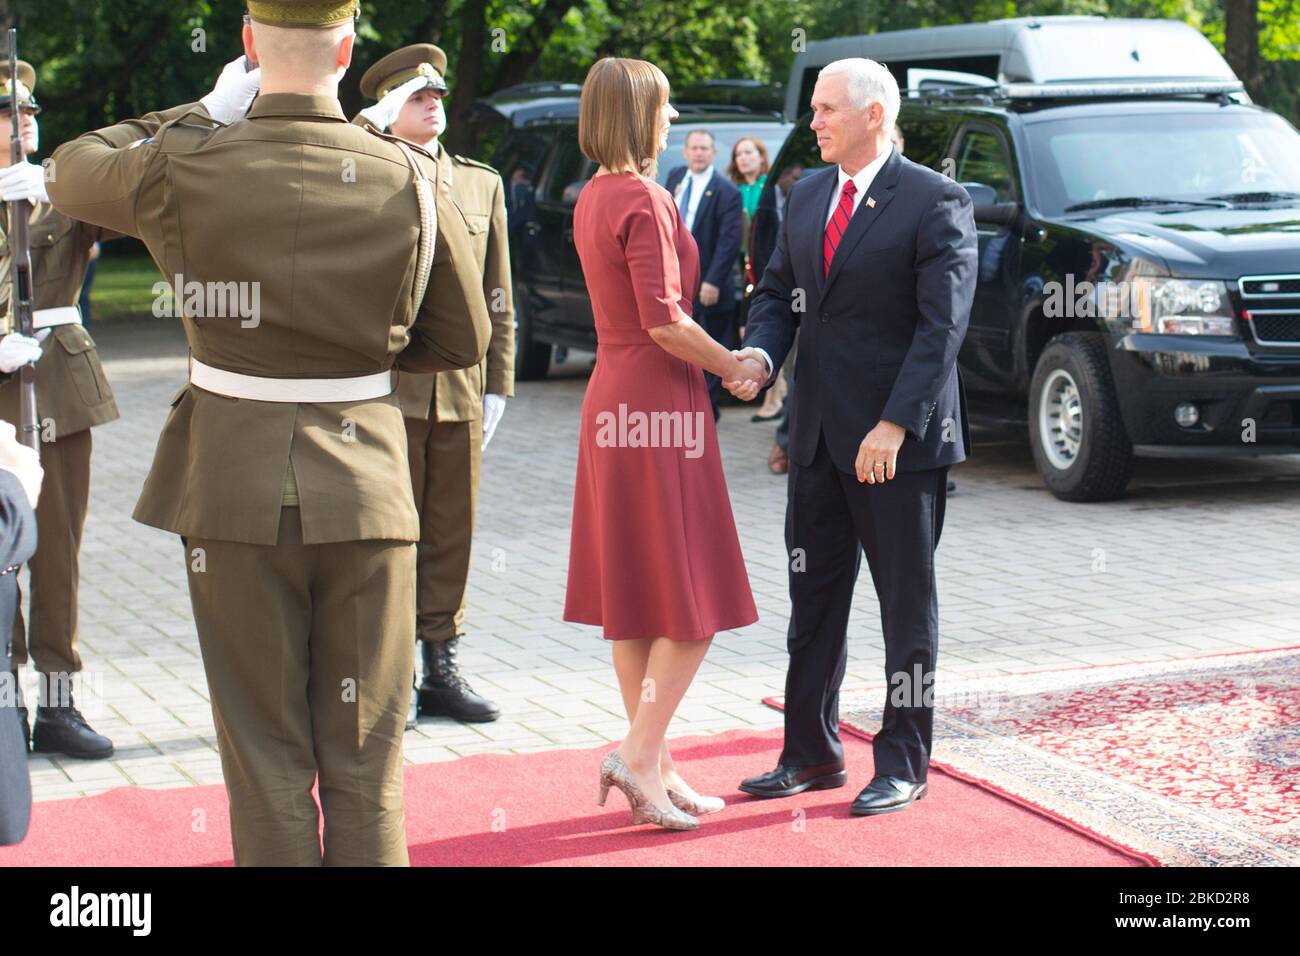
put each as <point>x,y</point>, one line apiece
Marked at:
<point>540,809</point>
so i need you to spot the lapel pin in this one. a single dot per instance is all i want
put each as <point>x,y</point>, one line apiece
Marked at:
<point>871,203</point>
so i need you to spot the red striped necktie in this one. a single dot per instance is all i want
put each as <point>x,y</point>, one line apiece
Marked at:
<point>835,228</point>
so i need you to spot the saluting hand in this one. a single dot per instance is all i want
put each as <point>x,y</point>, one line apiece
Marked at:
<point>385,111</point>
<point>234,92</point>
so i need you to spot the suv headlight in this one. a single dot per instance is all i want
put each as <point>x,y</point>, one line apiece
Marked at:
<point>1182,307</point>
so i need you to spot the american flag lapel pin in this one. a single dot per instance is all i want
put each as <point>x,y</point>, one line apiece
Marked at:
<point>871,203</point>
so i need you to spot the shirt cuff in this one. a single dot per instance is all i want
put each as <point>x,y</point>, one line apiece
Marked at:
<point>766,358</point>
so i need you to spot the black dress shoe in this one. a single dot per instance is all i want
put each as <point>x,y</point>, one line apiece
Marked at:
<point>62,730</point>
<point>886,794</point>
<point>787,781</point>
<point>444,693</point>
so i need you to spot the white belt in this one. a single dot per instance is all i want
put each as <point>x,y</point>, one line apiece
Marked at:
<point>359,388</point>
<point>48,318</point>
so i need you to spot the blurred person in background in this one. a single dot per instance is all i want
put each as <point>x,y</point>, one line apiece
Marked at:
<point>710,207</point>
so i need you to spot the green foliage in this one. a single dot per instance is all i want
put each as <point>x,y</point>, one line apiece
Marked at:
<point>112,59</point>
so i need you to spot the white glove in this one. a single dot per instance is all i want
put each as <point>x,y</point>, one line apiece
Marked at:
<point>25,180</point>
<point>494,406</point>
<point>234,92</point>
<point>22,461</point>
<point>18,350</point>
<point>385,111</point>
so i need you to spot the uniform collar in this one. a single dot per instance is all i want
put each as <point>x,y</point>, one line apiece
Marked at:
<point>302,105</point>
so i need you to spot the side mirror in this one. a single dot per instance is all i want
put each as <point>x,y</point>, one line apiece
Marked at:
<point>980,194</point>
<point>998,214</point>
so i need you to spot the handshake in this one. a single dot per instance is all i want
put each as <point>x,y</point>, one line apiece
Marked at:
<point>748,375</point>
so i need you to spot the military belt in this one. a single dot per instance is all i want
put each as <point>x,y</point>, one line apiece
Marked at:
<point>359,388</point>
<point>48,318</point>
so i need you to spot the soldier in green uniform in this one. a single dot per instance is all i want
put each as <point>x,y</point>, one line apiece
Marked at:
<point>283,461</point>
<point>72,396</point>
<point>450,416</point>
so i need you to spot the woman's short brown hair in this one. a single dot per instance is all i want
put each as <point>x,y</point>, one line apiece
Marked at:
<point>733,171</point>
<point>618,114</point>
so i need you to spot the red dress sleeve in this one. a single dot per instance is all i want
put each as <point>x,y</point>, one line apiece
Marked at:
<point>650,246</point>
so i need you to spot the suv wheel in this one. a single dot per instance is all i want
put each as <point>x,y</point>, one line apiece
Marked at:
<point>1075,429</point>
<point>532,359</point>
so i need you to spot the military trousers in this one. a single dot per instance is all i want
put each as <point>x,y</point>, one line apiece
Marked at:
<point>308,652</point>
<point>49,640</point>
<point>445,459</point>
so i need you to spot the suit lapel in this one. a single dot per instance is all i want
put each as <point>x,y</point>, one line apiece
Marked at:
<point>817,210</point>
<point>704,202</point>
<point>881,192</point>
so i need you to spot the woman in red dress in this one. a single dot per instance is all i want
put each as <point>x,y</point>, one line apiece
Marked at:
<point>654,558</point>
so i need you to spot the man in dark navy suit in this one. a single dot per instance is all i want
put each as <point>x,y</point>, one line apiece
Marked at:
<point>710,207</point>
<point>874,270</point>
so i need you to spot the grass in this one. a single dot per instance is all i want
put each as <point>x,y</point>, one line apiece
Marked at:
<point>123,287</point>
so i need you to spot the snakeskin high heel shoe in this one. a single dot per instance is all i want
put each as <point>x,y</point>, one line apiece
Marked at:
<point>700,807</point>
<point>615,773</point>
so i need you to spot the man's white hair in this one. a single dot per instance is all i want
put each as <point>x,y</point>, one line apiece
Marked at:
<point>869,82</point>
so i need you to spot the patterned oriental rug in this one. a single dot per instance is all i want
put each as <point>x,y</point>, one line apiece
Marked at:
<point>1194,762</point>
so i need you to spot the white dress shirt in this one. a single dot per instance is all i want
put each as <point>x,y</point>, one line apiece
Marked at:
<point>699,183</point>
<point>862,180</point>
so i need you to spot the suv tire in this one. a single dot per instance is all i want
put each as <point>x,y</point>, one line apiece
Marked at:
<point>532,359</point>
<point>1075,429</point>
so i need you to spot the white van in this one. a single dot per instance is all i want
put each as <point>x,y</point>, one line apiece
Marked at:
<point>1025,50</point>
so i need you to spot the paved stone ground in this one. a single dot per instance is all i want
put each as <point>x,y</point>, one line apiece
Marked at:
<point>1199,558</point>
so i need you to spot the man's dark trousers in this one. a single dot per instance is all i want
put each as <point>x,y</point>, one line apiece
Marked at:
<point>897,524</point>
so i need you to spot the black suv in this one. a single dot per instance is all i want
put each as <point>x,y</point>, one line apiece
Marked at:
<point>1139,279</point>
<point>531,132</point>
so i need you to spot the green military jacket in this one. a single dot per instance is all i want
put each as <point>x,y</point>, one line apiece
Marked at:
<point>72,393</point>
<point>317,220</point>
<point>457,396</point>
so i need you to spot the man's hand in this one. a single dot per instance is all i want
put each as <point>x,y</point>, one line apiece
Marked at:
<point>22,461</point>
<point>750,375</point>
<point>18,350</point>
<point>24,180</point>
<point>385,111</point>
<point>494,406</point>
<point>234,92</point>
<point>708,293</point>
<point>879,452</point>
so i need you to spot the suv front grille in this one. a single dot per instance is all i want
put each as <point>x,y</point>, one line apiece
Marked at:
<point>1271,306</point>
<point>1269,287</point>
<point>1275,326</point>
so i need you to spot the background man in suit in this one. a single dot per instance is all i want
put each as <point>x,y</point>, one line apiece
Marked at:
<point>875,269</point>
<point>710,207</point>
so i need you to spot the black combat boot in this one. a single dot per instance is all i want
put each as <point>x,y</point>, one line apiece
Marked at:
<point>60,728</point>
<point>444,693</point>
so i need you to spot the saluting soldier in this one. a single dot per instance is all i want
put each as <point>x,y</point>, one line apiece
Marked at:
<point>72,396</point>
<point>450,416</point>
<point>282,463</point>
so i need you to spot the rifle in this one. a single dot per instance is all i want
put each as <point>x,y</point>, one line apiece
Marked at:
<point>20,251</point>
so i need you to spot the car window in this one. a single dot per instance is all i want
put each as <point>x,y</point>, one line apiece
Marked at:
<point>568,170</point>
<point>522,151</point>
<point>981,159</point>
<point>925,140</point>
